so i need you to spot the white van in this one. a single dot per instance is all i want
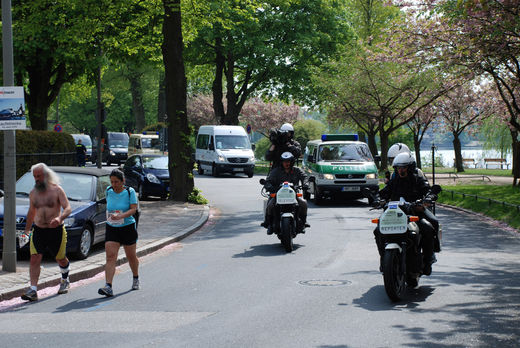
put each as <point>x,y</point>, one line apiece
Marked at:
<point>148,143</point>
<point>224,149</point>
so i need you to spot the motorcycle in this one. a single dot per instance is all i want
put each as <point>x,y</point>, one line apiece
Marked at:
<point>286,207</point>
<point>402,261</point>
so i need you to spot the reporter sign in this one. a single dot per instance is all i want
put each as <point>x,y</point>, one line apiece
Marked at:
<point>12,108</point>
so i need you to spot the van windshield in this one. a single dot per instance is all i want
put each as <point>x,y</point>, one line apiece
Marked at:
<point>85,140</point>
<point>151,143</point>
<point>345,152</point>
<point>118,140</point>
<point>232,142</point>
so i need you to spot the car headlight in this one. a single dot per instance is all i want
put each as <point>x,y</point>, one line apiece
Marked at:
<point>326,176</point>
<point>20,219</point>
<point>252,158</point>
<point>221,158</point>
<point>153,179</point>
<point>371,176</point>
<point>112,153</point>
<point>68,222</point>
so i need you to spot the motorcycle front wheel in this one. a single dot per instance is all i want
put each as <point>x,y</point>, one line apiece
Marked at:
<point>286,234</point>
<point>393,275</point>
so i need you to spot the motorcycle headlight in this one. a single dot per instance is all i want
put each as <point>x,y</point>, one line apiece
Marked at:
<point>153,179</point>
<point>371,176</point>
<point>68,222</point>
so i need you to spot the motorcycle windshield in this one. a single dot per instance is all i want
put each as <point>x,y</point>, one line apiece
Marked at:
<point>393,220</point>
<point>285,195</point>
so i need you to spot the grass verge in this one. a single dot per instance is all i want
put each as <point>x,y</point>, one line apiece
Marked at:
<point>474,171</point>
<point>505,193</point>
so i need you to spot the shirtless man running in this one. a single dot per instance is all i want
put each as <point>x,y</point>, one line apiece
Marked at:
<point>46,202</point>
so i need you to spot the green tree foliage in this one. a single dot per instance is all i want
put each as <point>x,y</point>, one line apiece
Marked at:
<point>262,46</point>
<point>306,130</point>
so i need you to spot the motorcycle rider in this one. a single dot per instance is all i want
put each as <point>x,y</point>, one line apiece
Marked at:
<point>286,172</point>
<point>395,150</point>
<point>282,140</point>
<point>408,184</point>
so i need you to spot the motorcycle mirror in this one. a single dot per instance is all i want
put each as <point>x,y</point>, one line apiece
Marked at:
<point>436,189</point>
<point>262,181</point>
<point>312,179</point>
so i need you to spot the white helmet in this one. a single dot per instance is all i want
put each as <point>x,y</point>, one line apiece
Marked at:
<point>404,159</point>
<point>287,127</point>
<point>396,149</point>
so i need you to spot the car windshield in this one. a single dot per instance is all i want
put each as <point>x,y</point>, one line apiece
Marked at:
<point>151,143</point>
<point>77,187</point>
<point>232,142</point>
<point>345,152</point>
<point>155,162</point>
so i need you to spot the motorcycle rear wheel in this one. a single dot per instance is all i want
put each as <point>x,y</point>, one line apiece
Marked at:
<point>393,275</point>
<point>286,234</point>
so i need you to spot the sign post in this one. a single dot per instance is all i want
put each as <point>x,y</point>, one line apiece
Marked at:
<point>13,120</point>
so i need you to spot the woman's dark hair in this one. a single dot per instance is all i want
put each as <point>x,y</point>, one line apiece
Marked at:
<point>118,174</point>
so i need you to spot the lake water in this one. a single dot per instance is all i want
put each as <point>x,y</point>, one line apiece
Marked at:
<point>447,156</point>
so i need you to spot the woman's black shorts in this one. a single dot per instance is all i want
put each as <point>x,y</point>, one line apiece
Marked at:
<point>125,235</point>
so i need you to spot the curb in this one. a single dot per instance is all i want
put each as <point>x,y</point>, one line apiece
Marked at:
<point>93,269</point>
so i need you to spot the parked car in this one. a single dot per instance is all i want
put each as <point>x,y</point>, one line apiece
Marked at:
<point>85,188</point>
<point>148,175</point>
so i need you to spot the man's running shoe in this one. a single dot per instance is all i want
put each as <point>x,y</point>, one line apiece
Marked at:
<point>30,295</point>
<point>106,290</point>
<point>135,284</point>
<point>64,286</point>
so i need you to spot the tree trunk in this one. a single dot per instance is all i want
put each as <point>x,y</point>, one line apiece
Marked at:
<point>372,145</point>
<point>417,148</point>
<point>180,164</point>
<point>383,136</point>
<point>218,95</point>
<point>136,88</point>
<point>516,157</point>
<point>161,100</point>
<point>457,147</point>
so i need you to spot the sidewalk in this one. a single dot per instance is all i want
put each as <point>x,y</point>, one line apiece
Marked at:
<point>161,223</point>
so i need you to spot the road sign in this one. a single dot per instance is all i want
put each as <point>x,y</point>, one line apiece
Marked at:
<point>248,129</point>
<point>57,128</point>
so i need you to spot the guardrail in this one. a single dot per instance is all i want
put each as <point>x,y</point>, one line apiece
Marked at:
<point>477,197</point>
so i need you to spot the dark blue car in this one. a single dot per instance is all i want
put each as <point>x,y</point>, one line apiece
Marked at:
<point>148,175</point>
<point>85,189</point>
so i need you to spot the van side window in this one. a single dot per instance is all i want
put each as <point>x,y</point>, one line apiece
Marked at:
<point>202,141</point>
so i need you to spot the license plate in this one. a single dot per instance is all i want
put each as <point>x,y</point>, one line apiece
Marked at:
<point>238,169</point>
<point>350,188</point>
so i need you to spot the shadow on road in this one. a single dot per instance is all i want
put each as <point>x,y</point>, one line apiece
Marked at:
<point>265,250</point>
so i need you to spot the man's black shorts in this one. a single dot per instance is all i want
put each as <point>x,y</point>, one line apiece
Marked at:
<point>52,239</point>
<point>125,235</point>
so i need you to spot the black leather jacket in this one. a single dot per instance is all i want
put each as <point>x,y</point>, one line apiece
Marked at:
<point>411,188</point>
<point>278,175</point>
<point>291,146</point>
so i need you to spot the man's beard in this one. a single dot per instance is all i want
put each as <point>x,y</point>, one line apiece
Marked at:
<point>40,186</point>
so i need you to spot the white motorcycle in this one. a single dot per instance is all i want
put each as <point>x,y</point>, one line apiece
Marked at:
<point>403,259</point>
<point>286,208</point>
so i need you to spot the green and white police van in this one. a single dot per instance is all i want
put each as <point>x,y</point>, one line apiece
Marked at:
<point>339,165</point>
